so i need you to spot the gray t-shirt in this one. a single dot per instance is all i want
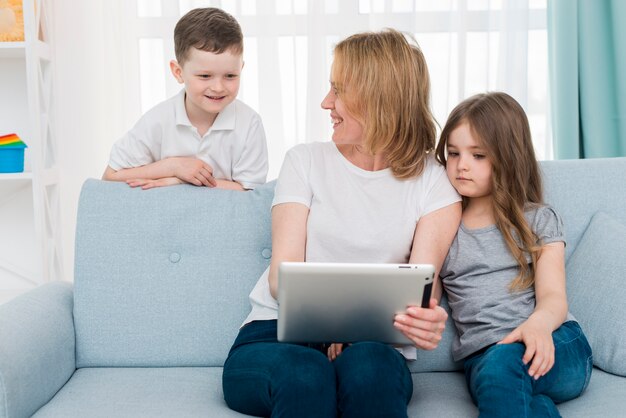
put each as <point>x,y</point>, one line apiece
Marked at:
<point>476,275</point>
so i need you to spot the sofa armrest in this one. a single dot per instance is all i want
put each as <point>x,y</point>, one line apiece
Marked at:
<point>37,348</point>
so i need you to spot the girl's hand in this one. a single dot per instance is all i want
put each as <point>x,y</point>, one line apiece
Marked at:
<point>539,346</point>
<point>334,350</point>
<point>423,326</point>
<point>146,184</point>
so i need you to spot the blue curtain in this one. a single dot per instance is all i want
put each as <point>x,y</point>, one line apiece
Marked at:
<point>587,58</point>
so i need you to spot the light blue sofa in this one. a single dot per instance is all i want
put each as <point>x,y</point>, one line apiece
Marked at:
<point>161,284</point>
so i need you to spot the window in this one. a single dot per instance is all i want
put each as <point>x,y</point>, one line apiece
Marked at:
<point>471,46</point>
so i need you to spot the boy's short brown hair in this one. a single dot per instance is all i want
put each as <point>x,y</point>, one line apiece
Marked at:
<point>208,29</point>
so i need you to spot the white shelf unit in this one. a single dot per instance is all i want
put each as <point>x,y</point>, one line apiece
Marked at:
<point>30,242</point>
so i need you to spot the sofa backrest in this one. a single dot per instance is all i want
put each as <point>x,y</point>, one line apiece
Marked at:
<point>591,197</point>
<point>162,276</point>
<point>580,188</point>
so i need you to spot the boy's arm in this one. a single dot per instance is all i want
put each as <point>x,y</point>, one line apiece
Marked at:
<point>155,170</point>
<point>188,169</point>
<point>250,169</point>
<point>229,185</point>
<point>136,156</point>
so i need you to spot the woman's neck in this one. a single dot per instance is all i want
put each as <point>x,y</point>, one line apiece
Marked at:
<point>479,213</point>
<point>362,159</point>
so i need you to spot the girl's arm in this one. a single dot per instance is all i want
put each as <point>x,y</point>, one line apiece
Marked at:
<point>288,238</point>
<point>550,311</point>
<point>433,236</point>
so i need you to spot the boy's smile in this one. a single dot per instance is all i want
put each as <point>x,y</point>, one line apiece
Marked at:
<point>211,83</point>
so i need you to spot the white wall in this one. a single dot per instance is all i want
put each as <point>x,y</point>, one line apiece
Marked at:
<point>88,90</point>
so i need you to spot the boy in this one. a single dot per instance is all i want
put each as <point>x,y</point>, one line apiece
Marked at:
<point>203,135</point>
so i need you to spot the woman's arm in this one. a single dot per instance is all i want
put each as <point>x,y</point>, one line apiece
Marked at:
<point>433,236</point>
<point>288,238</point>
<point>550,311</point>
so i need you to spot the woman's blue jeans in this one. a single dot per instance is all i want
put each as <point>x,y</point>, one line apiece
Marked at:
<point>500,384</point>
<point>264,377</point>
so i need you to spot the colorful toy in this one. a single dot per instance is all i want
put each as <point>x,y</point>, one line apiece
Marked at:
<point>11,154</point>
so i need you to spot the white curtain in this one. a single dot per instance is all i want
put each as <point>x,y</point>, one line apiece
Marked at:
<point>111,59</point>
<point>471,46</point>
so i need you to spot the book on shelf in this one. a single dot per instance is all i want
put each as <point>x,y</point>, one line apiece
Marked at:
<point>11,21</point>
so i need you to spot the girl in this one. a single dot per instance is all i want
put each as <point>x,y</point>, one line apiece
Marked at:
<point>505,275</point>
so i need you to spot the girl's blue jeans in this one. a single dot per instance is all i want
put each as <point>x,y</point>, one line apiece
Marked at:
<point>500,384</point>
<point>264,377</point>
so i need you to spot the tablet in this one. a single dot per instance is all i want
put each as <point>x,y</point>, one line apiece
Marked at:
<point>348,302</point>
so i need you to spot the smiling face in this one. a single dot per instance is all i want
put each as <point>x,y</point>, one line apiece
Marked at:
<point>468,167</point>
<point>211,82</point>
<point>346,128</point>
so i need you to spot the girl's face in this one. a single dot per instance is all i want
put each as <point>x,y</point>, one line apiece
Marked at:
<point>346,128</point>
<point>467,165</point>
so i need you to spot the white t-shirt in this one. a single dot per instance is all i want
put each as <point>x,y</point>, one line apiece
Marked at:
<point>355,215</point>
<point>234,146</point>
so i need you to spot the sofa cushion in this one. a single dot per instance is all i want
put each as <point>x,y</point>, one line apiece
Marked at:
<point>441,395</point>
<point>446,395</point>
<point>197,392</point>
<point>140,392</point>
<point>596,290</point>
<point>162,276</point>
<point>604,397</point>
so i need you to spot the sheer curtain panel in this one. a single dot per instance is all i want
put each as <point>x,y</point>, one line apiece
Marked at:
<point>471,46</point>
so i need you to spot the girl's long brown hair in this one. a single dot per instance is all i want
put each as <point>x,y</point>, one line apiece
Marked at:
<point>499,123</point>
<point>383,80</point>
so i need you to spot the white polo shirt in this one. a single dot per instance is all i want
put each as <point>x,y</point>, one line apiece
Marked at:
<point>234,146</point>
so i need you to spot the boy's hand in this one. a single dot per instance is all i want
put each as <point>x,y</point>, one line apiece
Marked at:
<point>146,184</point>
<point>539,346</point>
<point>193,171</point>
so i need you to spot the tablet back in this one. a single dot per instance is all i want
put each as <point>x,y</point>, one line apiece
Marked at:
<point>348,302</point>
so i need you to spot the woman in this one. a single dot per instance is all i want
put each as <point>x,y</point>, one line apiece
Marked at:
<point>373,194</point>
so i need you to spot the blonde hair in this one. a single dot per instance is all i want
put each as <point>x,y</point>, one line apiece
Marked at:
<point>383,80</point>
<point>499,123</point>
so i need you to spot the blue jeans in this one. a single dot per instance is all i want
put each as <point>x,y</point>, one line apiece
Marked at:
<point>264,377</point>
<point>500,384</point>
